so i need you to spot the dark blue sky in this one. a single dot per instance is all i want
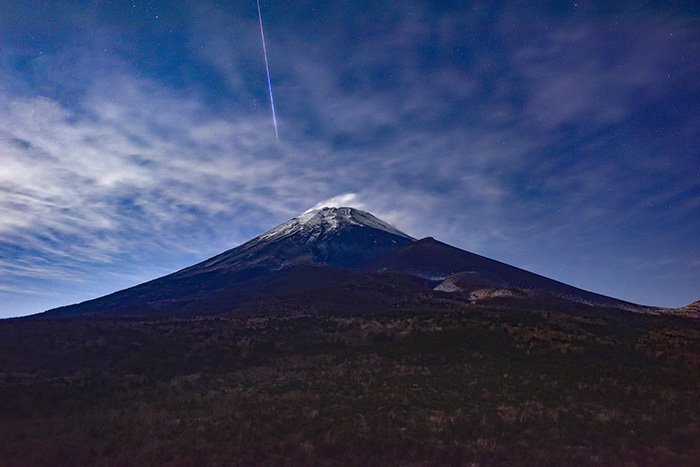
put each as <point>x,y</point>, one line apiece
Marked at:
<point>136,137</point>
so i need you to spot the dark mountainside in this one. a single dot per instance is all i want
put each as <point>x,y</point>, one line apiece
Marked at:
<point>335,339</point>
<point>325,241</point>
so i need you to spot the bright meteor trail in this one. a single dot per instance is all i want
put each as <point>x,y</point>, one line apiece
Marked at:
<point>267,69</point>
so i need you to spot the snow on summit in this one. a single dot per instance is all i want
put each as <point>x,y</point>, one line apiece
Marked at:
<point>328,219</point>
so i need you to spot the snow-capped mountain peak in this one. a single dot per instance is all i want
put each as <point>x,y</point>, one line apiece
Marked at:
<point>326,220</point>
<point>337,236</point>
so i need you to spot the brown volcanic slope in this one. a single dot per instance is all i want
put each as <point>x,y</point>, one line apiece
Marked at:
<point>321,379</point>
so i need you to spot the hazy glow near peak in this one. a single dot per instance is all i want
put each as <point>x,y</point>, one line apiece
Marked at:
<point>350,200</point>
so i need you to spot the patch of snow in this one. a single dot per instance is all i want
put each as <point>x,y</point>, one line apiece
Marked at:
<point>447,285</point>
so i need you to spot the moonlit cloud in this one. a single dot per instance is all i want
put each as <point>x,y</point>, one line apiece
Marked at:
<point>342,200</point>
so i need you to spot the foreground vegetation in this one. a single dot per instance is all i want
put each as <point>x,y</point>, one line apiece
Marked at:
<point>425,382</point>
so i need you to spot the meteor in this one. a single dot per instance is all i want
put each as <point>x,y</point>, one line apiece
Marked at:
<point>267,70</point>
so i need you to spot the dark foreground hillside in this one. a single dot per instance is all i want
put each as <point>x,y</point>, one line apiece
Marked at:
<point>425,382</point>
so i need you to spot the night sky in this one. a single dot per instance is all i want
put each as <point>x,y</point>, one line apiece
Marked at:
<point>136,137</point>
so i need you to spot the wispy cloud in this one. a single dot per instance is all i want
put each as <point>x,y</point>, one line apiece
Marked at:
<point>137,159</point>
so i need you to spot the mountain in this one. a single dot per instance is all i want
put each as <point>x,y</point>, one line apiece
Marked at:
<point>331,252</point>
<point>323,238</point>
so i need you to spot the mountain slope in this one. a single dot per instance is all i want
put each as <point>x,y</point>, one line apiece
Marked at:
<point>454,269</point>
